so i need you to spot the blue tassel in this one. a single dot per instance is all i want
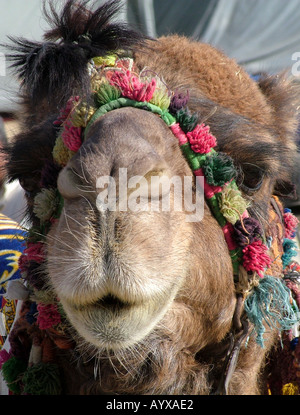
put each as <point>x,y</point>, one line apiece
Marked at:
<point>270,302</point>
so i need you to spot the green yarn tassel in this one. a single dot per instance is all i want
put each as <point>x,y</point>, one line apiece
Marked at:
<point>219,169</point>
<point>12,371</point>
<point>105,94</point>
<point>290,251</point>
<point>270,303</point>
<point>42,379</point>
<point>186,120</point>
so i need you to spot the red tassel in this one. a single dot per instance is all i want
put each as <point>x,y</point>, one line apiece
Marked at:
<point>48,316</point>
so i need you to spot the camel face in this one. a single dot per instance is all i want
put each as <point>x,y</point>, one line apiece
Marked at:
<point>119,278</point>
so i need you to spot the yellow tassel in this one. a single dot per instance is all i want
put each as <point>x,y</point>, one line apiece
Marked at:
<point>161,99</point>
<point>82,115</point>
<point>290,389</point>
<point>45,203</point>
<point>108,60</point>
<point>97,82</point>
<point>61,153</point>
<point>232,204</point>
<point>43,296</point>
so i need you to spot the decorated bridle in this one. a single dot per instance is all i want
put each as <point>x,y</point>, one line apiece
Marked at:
<point>117,83</point>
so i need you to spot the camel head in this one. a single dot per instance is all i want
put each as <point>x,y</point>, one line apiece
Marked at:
<point>150,194</point>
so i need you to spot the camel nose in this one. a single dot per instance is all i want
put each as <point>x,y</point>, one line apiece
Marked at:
<point>69,184</point>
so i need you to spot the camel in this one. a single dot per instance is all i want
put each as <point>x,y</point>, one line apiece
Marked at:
<point>149,301</point>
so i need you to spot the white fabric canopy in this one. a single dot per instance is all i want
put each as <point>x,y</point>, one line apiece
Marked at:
<point>262,35</point>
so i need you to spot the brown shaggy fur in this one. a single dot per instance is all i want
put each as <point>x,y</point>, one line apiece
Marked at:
<point>254,123</point>
<point>208,70</point>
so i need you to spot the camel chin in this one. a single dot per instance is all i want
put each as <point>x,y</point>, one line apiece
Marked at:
<point>114,301</point>
<point>110,324</point>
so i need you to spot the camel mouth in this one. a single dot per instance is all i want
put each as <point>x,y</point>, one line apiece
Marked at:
<point>112,303</point>
<point>110,323</point>
<point>108,302</point>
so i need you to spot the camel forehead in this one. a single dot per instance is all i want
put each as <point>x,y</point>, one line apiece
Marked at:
<point>130,123</point>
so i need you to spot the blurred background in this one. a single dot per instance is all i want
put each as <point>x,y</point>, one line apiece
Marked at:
<point>262,35</point>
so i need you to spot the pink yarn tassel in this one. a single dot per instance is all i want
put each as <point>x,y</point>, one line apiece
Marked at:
<point>4,357</point>
<point>132,87</point>
<point>291,223</point>
<point>177,131</point>
<point>255,257</point>
<point>72,136</point>
<point>228,232</point>
<point>48,316</point>
<point>35,252</point>
<point>201,140</point>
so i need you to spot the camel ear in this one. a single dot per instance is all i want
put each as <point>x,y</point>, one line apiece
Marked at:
<point>283,95</point>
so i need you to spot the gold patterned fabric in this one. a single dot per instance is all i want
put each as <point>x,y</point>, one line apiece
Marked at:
<point>11,247</point>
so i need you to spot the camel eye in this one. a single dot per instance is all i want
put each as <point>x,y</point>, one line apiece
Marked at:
<point>252,178</point>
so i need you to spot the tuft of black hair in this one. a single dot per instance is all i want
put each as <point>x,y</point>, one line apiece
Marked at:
<point>52,71</point>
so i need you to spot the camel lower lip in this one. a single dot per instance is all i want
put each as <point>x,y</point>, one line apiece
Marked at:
<point>110,323</point>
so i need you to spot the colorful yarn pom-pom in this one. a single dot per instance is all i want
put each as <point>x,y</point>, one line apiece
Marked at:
<point>270,302</point>
<point>132,87</point>
<point>255,257</point>
<point>186,120</point>
<point>201,140</point>
<point>178,101</point>
<point>71,136</point>
<point>291,223</point>
<point>246,231</point>
<point>218,169</point>
<point>105,94</point>
<point>42,379</point>
<point>48,316</point>
<point>232,204</point>
<point>12,371</point>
